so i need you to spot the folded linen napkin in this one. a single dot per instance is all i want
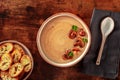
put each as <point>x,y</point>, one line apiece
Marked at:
<point>109,66</point>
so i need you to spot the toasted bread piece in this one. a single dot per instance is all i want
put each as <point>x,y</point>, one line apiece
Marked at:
<point>27,67</point>
<point>2,50</point>
<point>6,61</point>
<point>16,69</point>
<point>8,47</point>
<point>16,55</point>
<point>26,62</point>
<point>6,76</point>
<point>16,46</point>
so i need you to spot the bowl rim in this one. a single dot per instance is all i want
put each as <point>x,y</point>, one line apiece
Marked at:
<point>71,63</point>
<point>26,50</point>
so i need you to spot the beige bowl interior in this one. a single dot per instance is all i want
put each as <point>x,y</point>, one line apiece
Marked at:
<point>58,15</point>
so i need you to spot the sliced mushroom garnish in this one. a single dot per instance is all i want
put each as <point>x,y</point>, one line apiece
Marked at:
<point>79,42</point>
<point>68,55</point>
<point>81,32</point>
<point>72,34</point>
<point>76,49</point>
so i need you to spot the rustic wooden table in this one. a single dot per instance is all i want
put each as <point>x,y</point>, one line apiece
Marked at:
<point>21,19</point>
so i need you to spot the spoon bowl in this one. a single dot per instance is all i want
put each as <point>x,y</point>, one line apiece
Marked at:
<point>107,26</point>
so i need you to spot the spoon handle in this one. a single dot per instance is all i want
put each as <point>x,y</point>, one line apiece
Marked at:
<point>100,51</point>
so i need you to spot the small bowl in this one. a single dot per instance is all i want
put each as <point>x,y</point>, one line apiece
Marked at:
<point>65,14</point>
<point>26,51</point>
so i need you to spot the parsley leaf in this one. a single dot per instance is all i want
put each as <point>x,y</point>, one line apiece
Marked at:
<point>70,54</point>
<point>74,27</point>
<point>85,40</point>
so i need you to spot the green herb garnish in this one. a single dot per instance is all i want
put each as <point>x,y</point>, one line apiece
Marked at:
<point>74,27</point>
<point>85,40</point>
<point>70,54</point>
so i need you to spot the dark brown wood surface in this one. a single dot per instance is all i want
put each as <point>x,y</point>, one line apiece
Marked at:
<point>21,19</point>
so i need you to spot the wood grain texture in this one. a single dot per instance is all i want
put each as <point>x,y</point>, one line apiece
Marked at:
<point>21,19</point>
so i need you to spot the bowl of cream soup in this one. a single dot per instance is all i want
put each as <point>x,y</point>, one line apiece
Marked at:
<point>63,39</point>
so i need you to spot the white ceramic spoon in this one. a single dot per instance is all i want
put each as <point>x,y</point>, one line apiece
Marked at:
<point>107,26</point>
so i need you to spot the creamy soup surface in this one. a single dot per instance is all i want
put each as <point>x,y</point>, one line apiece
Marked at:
<point>55,41</point>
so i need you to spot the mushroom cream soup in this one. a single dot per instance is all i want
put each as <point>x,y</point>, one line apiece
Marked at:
<point>63,39</point>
